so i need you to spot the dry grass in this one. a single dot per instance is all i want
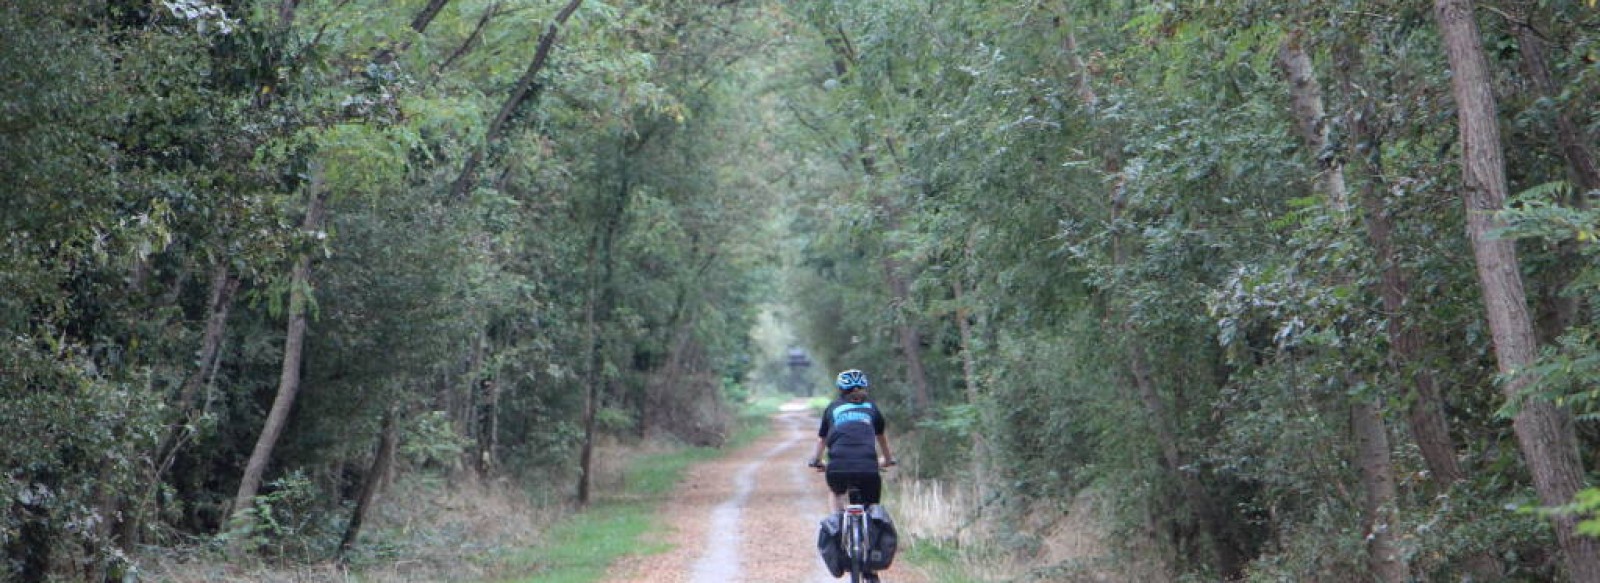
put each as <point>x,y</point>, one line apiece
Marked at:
<point>422,530</point>
<point>612,460</point>
<point>928,510</point>
<point>941,513</point>
<point>1055,546</point>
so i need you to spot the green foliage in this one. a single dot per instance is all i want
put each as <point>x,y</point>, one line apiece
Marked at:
<point>614,420</point>
<point>428,438</point>
<point>1586,503</point>
<point>1096,218</point>
<point>1173,217</point>
<point>286,521</point>
<point>183,137</point>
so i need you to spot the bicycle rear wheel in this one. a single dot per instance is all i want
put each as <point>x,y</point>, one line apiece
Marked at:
<point>857,550</point>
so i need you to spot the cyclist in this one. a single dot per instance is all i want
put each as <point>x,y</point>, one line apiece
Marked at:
<point>850,427</point>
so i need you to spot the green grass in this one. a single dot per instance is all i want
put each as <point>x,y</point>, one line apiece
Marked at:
<point>941,563</point>
<point>764,405</point>
<point>580,548</point>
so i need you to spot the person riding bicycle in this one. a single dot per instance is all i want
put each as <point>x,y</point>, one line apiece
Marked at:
<point>850,427</point>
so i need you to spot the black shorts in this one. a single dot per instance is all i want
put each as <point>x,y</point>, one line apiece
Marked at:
<point>870,485</point>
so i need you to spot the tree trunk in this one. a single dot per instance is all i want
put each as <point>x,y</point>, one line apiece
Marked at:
<point>286,12</point>
<point>1378,510</point>
<point>910,338</point>
<point>1311,120</point>
<point>1086,92</point>
<point>467,417</point>
<point>486,413</point>
<point>223,287</point>
<point>471,41</point>
<point>1544,431</point>
<point>1535,65</point>
<point>289,376</point>
<point>1374,458</point>
<point>1225,559</point>
<point>591,378</point>
<point>969,375</point>
<point>1205,511</point>
<point>907,335</point>
<point>1425,417</point>
<point>381,460</point>
<point>969,368</point>
<point>424,18</point>
<point>601,301</point>
<point>1425,414</point>
<point>599,305</point>
<point>1559,311</point>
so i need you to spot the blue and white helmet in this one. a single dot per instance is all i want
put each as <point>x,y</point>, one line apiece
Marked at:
<point>851,379</point>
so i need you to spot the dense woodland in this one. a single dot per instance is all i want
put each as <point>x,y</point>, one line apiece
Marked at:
<point>1302,290</point>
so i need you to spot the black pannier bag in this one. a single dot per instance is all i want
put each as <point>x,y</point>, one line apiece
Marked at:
<point>828,546</point>
<point>882,541</point>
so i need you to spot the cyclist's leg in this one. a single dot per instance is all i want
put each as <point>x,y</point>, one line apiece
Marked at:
<point>838,485</point>
<point>871,486</point>
<point>868,486</point>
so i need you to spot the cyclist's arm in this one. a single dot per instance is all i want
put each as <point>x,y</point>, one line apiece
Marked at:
<point>822,435</point>
<point>880,430</point>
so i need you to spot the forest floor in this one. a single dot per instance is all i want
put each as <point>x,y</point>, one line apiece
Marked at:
<point>749,516</point>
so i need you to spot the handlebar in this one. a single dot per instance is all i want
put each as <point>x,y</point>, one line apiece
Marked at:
<point>816,463</point>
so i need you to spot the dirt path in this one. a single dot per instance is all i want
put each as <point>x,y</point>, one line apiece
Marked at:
<point>750,516</point>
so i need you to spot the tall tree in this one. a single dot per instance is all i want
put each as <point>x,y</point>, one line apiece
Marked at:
<point>1558,309</point>
<point>1373,454</point>
<point>1535,61</point>
<point>869,142</point>
<point>1544,430</point>
<point>1425,417</point>
<point>299,290</point>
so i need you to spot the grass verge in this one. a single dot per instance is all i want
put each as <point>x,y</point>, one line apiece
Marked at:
<point>582,546</point>
<point>940,563</point>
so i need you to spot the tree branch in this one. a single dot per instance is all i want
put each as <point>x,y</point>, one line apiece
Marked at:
<point>472,39</point>
<point>429,12</point>
<point>525,89</point>
<point>286,12</point>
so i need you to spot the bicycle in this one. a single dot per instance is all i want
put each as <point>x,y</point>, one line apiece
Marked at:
<point>855,533</point>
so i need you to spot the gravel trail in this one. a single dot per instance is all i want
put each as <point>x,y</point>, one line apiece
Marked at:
<point>750,516</point>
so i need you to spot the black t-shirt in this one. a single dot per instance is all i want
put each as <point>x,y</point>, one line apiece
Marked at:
<point>851,431</point>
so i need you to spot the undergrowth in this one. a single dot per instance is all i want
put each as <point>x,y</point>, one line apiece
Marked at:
<point>429,528</point>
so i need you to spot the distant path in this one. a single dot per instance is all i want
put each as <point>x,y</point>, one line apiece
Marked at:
<point>750,516</point>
